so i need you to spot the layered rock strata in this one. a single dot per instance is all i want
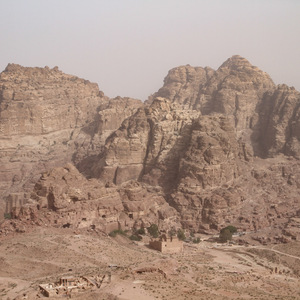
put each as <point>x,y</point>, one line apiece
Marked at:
<point>147,146</point>
<point>265,116</point>
<point>221,147</point>
<point>63,197</point>
<point>204,138</point>
<point>48,118</point>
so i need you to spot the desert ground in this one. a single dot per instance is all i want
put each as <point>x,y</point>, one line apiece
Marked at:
<point>207,270</point>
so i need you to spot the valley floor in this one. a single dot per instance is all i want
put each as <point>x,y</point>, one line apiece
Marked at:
<point>203,271</point>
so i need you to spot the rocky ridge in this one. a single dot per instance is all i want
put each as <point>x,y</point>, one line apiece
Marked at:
<point>221,147</point>
<point>247,96</point>
<point>47,119</point>
<point>204,137</point>
<point>63,197</point>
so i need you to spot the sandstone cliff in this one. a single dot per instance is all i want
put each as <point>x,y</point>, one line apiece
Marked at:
<point>265,116</point>
<point>48,118</point>
<point>204,138</point>
<point>63,197</point>
<point>219,146</point>
<point>147,145</point>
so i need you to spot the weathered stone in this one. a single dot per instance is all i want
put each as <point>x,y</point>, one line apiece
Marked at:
<point>48,118</point>
<point>221,147</point>
<point>200,138</point>
<point>76,202</point>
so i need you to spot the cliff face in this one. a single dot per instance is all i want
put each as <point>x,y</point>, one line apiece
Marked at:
<point>48,118</point>
<point>265,116</point>
<point>221,147</point>
<point>216,142</point>
<point>64,197</point>
<point>147,146</point>
<point>110,115</point>
<point>278,127</point>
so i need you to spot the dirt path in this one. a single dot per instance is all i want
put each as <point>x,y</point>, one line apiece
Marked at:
<point>128,290</point>
<point>276,251</point>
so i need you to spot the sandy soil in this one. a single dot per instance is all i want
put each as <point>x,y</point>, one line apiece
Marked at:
<point>203,271</point>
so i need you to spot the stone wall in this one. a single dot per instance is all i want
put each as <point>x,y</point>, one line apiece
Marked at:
<point>170,245</point>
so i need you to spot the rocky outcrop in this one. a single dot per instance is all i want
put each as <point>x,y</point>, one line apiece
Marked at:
<point>203,137</point>
<point>221,147</point>
<point>278,127</point>
<point>111,114</point>
<point>63,197</point>
<point>147,146</point>
<point>42,112</point>
<point>48,118</point>
<point>264,116</point>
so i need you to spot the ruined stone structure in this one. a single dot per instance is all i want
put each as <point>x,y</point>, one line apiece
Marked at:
<point>70,284</point>
<point>167,244</point>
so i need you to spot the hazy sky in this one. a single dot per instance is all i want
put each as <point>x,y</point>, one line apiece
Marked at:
<point>128,46</point>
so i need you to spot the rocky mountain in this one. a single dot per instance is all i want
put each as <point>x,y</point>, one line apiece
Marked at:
<point>265,116</point>
<point>218,146</point>
<point>217,142</point>
<point>47,119</point>
<point>63,197</point>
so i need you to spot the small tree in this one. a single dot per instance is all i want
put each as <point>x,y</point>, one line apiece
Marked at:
<point>180,235</point>
<point>114,233</point>
<point>231,228</point>
<point>136,237</point>
<point>153,230</point>
<point>196,240</point>
<point>141,231</point>
<point>225,235</point>
<point>172,232</point>
<point>7,216</point>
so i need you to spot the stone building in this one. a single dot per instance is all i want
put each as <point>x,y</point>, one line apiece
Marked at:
<point>167,244</point>
<point>68,285</point>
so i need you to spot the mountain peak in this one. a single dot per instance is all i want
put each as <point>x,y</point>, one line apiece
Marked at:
<point>235,62</point>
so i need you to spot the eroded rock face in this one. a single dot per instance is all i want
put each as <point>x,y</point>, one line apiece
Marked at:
<point>278,127</point>
<point>204,137</point>
<point>264,116</point>
<point>221,147</point>
<point>64,197</point>
<point>48,118</point>
<point>42,112</point>
<point>111,114</point>
<point>147,146</point>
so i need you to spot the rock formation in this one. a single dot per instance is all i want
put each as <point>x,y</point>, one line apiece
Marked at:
<point>265,116</point>
<point>219,146</point>
<point>150,142</point>
<point>63,197</point>
<point>48,118</point>
<point>216,142</point>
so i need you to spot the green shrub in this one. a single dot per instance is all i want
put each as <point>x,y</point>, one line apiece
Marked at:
<point>225,235</point>
<point>136,237</point>
<point>180,235</point>
<point>141,231</point>
<point>172,232</point>
<point>114,233</point>
<point>196,241</point>
<point>153,230</point>
<point>231,228</point>
<point>7,216</point>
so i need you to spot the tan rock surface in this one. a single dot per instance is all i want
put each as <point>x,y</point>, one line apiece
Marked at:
<point>48,118</point>
<point>221,147</point>
<point>207,138</point>
<point>147,145</point>
<point>63,197</point>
